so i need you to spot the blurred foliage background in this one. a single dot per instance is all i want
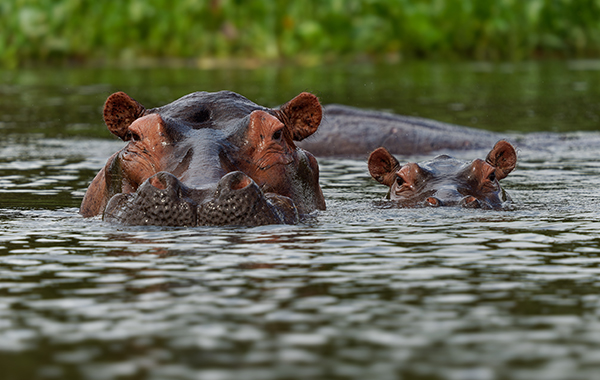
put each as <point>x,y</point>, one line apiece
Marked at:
<point>306,32</point>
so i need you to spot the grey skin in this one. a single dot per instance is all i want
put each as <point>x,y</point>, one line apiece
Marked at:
<point>352,132</point>
<point>445,181</point>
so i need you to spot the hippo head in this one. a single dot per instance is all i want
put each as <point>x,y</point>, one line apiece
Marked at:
<point>208,159</point>
<point>445,181</point>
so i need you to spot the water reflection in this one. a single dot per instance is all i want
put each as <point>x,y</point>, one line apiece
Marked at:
<point>553,96</point>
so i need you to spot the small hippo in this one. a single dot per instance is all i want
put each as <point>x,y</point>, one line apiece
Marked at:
<point>445,181</point>
<point>208,159</point>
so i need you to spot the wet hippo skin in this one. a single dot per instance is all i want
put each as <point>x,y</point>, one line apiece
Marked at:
<point>445,181</point>
<point>353,132</point>
<point>208,159</point>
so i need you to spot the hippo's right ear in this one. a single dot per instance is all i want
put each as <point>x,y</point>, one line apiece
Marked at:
<point>383,166</point>
<point>120,110</point>
<point>503,157</point>
<point>304,114</point>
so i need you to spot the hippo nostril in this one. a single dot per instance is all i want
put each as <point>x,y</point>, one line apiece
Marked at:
<point>163,181</point>
<point>236,182</point>
<point>433,202</point>
<point>157,182</point>
<point>470,202</point>
<point>240,182</point>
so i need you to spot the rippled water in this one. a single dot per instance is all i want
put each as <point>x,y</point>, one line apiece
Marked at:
<point>359,291</point>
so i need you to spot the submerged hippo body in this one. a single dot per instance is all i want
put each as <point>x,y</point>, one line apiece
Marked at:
<point>208,159</point>
<point>445,181</point>
<point>352,132</point>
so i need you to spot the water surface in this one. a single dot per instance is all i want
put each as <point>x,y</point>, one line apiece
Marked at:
<point>362,290</point>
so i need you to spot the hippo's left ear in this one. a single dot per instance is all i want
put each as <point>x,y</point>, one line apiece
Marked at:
<point>304,115</point>
<point>503,157</point>
<point>120,110</point>
<point>383,166</point>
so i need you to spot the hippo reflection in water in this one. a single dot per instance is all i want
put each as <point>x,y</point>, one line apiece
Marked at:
<point>445,181</point>
<point>208,159</point>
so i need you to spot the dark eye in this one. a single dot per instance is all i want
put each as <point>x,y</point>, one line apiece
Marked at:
<point>399,181</point>
<point>492,177</point>
<point>277,134</point>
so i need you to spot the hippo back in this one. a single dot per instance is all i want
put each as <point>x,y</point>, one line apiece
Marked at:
<point>347,132</point>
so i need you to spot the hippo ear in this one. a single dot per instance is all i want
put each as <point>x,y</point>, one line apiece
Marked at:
<point>383,166</point>
<point>503,157</point>
<point>120,110</point>
<point>302,115</point>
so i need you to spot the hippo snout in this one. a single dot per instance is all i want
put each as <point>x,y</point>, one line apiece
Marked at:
<point>239,201</point>
<point>160,200</point>
<point>445,196</point>
<point>235,200</point>
<point>451,197</point>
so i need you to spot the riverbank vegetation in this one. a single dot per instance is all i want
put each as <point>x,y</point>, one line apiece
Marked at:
<point>307,32</point>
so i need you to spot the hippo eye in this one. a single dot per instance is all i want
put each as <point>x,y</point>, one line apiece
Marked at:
<point>399,180</point>
<point>492,177</point>
<point>277,134</point>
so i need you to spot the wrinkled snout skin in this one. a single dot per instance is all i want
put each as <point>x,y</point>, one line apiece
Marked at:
<point>445,181</point>
<point>163,200</point>
<point>208,159</point>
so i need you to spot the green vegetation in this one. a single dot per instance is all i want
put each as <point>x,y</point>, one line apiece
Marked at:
<point>307,31</point>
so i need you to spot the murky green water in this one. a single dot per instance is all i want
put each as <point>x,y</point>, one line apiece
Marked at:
<point>358,291</point>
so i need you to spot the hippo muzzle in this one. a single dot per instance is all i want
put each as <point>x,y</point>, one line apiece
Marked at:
<point>163,200</point>
<point>454,198</point>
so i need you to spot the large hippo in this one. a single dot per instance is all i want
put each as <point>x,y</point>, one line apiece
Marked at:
<point>445,181</point>
<point>208,159</point>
